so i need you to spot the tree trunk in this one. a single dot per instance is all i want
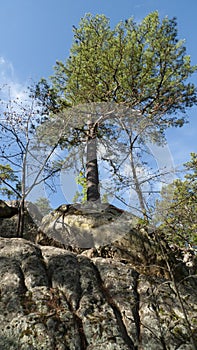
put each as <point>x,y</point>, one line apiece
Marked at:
<point>137,185</point>
<point>21,218</point>
<point>21,215</point>
<point>92,176</point>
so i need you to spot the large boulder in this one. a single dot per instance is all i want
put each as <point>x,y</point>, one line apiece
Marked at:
<point>7,211</point>
<point>54,299</point>
<point>9,219</point>
<point>107,231</point>
<point>131,292</point>
<point>85,225</point>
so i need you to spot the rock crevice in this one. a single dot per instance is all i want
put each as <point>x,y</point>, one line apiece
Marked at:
<point>116,296</point>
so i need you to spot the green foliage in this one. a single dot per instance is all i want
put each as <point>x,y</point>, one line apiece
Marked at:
<point>81,181</point>
<point>46,97</point>
<point>143,65</point>
<point>43,205</point>
<point>178,207</point>
<point>82,195</point>
<point>140,66</point>
<point>7,176</point>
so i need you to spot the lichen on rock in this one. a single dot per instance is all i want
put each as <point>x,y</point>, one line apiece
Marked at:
<point>117,295</point>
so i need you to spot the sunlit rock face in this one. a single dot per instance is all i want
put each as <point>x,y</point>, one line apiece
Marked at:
<point>126,292</point>
<point>85,226</point>
<point>9,211</point>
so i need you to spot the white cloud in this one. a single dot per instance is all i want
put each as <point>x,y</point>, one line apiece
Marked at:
<point>10,87</point>
<point>6,70</point>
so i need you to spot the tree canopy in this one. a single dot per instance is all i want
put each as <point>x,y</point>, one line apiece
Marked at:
<point>43,205</point>
<point>143,65</point>
<point>8,179</point>
<point>177,210</point>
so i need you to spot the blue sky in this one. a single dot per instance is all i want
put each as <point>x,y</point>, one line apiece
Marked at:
<point>36,33</point>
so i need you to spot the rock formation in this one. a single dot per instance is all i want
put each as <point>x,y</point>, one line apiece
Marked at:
<point>119,292</point>
<point>7,211</point>
<point>9,220</point>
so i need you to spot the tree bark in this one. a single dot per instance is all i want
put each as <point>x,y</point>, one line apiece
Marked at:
<point>21,218</point>
<point>137,184</point>
<point>21,215</point>
<point>92,176</point>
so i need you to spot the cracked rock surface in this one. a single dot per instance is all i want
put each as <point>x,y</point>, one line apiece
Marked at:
<point>53,299</point>
<point>118,296</point>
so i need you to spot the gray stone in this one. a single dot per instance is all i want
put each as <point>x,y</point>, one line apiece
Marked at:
<point>8,225</point>
<point>120,295</point>
<point>7,211</point>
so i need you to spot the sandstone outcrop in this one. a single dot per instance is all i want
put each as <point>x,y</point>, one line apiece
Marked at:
<point>123,292</point>
<point>7,211</point>
<point>9,223</point>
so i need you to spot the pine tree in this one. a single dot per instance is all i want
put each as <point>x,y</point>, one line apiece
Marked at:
<point>141,67</point>
<point>177,210</point>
